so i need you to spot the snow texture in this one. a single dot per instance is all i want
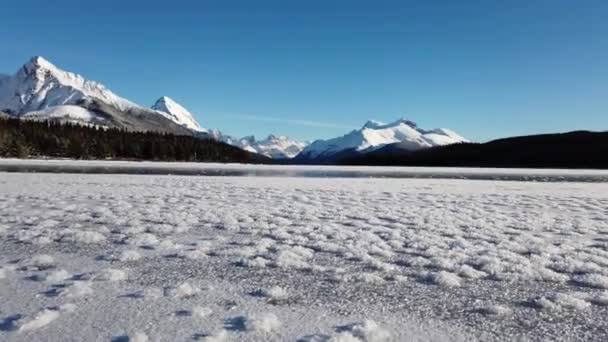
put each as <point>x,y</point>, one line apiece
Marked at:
<point>301,259</point>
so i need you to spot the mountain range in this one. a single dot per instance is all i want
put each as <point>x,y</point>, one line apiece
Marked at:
<point>41,91</point>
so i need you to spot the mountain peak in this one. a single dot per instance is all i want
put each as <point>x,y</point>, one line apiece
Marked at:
<point>39,62</point>
<point>164,100</point>
<point>274,137</point>
<point>373,124</point>
<point>374,135</point>
<point>176,112</point>
<point>404,121</point>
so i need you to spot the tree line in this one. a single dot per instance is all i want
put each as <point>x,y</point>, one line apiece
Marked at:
<point>52,138</point>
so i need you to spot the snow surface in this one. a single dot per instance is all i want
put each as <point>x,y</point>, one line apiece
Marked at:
<point>68,112</point>
<point>97,166</point>
<point>374,135</point>
<point>308,259</point>
<point>177,113</point>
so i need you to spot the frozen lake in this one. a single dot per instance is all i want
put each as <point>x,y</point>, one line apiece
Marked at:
<point>102,257</point>
<point>315,171</point>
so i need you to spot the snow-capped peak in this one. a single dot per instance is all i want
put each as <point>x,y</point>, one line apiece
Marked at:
<point>39,62</point>
<point>277,147</point>
<point>373,124</point>
<point>39,84</point>
<point>176,112</point>
<point>374,135</point>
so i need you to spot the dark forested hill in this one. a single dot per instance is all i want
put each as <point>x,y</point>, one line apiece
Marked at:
<point>579,149</point>
<point>20,138</point>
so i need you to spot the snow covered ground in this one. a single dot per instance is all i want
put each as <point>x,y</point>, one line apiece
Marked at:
<point>87,257</point>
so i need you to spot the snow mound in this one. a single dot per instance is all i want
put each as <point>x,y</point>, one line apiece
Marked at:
<point>593,280</point>
<point>443,279</point>
<point>368,331</point>
<point>41,319</point>
<point>495,310</point>
<point>129,255</point>
<point>57,276</point>
<point>42,261</point>
<point>111,274</point>
<point>184,290</point>
<point>562,301</point>
<point>274,294</point>
<point>79,289</point>
<point>263,323</point>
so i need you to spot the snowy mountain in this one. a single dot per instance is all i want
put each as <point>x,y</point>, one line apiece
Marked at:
<point>39,85</point>
<point>374,135</point>
<point>276,147</point>
<point>40,90</point>
<point>174,111</point>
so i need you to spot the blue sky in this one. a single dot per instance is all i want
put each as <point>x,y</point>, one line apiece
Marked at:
<point>318,68</point>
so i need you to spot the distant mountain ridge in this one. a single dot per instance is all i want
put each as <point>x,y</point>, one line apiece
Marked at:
<point>276,147</point>
<point>41,91</point>
<point>578,149</point>
<point>374,135</point>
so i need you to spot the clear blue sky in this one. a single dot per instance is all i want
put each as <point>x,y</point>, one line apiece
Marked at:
<point>317,68</point>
